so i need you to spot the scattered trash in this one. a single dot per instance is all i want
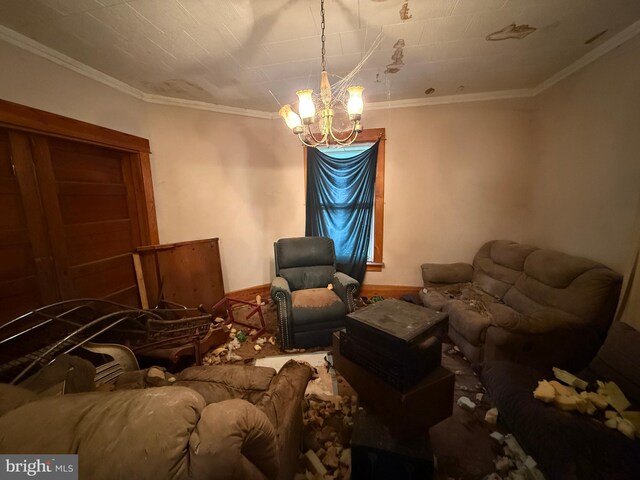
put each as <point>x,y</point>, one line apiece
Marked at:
<point>498,437</point>
<point>491,417</point>
<point>466,403</point>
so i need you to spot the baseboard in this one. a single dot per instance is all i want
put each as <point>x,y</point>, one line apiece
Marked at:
<point>249,294</point>
<point>386,291</point>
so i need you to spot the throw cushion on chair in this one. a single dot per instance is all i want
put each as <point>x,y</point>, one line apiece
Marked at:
<point>314,305</point>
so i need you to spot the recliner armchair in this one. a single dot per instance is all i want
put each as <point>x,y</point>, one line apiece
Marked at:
<point>308,311</point>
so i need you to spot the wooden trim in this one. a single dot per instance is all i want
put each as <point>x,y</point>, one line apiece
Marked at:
<point>142,288</point>
<point>249,294</point>
<point>378,220</point>
<point>36,220</point>
<point>141,164</point>
<point>50,202</point>
<point>388,291</point>
<point>374,266</point>
<point>21,117</point>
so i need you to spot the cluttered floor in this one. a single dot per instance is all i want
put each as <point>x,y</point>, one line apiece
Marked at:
<point>464,445</point>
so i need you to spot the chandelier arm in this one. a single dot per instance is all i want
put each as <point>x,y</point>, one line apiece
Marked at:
<point>318,142</point>
<point>346,140</point>
<point>311,145</point>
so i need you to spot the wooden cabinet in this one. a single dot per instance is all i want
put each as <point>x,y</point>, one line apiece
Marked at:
<point>187,273</point>
<point>73,208</point>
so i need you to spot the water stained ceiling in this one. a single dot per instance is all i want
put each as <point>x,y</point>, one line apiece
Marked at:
<point>256,53</point>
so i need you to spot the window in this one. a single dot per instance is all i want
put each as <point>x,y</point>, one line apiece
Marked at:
<point>364,141</point>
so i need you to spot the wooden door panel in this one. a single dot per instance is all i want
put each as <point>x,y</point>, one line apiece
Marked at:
<point>102,278</point>
<point>76,162</point>
<point>25,280</point>
<point>93,207</point>
<point>93,222</point>
<point>18,297</point>
<point>89,242</point>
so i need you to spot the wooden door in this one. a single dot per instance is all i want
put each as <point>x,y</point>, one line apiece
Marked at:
<point>75,201</point>
<point>27,278</point>
<point>89,200</point>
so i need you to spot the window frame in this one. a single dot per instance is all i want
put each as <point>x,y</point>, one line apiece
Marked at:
<point>370,135</point>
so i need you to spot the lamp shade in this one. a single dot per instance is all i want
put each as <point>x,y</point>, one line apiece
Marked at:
<point>355,104</point>
<point>290,117</point>
<point>305,105</point>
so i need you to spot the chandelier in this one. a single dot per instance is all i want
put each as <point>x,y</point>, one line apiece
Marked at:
<point>316,112</point>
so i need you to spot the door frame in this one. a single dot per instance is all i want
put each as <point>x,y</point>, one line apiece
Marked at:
<point>26,119</point>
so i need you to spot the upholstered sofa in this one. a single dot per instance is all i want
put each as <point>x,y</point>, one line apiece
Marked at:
<point>524,304</point>
<point>224,422</point>
<point>569,445</point>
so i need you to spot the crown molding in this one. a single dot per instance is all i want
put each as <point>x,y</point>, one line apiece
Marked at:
<point>25,43</point>
<point>445,99</point>
<point>212,107</point>
<point>591,56</point>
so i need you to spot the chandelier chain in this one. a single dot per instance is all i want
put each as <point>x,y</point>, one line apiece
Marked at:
<point>322,26</point>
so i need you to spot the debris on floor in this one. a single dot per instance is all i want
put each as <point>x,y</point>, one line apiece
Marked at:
<point>328,421</point>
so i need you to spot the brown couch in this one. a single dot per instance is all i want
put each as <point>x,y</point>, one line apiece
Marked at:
<point>524,304</point>
<point>225,422</point>
<point>583,448</point>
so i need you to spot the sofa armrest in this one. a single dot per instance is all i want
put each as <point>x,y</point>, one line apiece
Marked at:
<point>281,296</point>
<point>434,273</point>
<point>346,288</point>
<point>226,382</point>
<point>282,404</point>
<point>233,440</point>
<point>280,284</point>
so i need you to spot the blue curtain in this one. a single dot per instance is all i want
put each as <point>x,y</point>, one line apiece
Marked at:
<point>340,199</point>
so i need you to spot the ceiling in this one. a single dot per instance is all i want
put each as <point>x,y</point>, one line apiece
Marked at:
<point>255,54</point>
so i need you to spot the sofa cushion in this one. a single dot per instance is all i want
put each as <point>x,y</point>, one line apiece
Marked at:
<point>582,448</point>
<point>469,322</point>
<point>225,382</point>
<point>233,440</point>
<point>618,359</point>
<point>553,282</point>
<point>498,264</point>
<point>316,305</point>
<point>110,432</point>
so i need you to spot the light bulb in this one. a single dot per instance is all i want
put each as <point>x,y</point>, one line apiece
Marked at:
<point>355,105</point>
<point>305,105</point>
<point>290,117</point>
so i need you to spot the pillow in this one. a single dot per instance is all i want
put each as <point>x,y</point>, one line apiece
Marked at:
<point>618,359</point>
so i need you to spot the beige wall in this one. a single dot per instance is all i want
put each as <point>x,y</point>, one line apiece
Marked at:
<point>39,83</point>
<point>587,177</point>
<point>560,170</point>
<point>456,176</point>
<point>218,175</point>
